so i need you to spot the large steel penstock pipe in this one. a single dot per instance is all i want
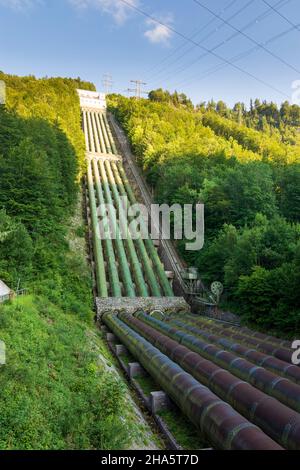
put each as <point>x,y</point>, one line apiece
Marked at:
<point>219,423</point>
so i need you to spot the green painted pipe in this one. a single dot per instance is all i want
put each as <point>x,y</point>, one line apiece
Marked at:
<point>98,251</point>
<point>127,280</point>
<point>118,242</point>
<point>147,244</point>
<point>152,282</point>
<point>111,260</point>
<point>95,133</point>
<point>160,271</point>
<point>138,274</point>
<point>109,133</point>
<point>104,132</point>
<point>100,134</point>
<point>92,142</point>
<point>85,130</point>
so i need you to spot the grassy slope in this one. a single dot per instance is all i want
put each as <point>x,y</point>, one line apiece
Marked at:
<point>60,389</point>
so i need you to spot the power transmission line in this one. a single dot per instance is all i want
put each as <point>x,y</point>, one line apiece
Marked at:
<point>236,58</point>
<point>194,35</point>
<point>282,16</point>
<point>205,37</point>
<point>107,83</point>
<point>138,88</point>
<point>258,18</point>
<point>239,31</point>
<point>178,33</point>
<point>183,68</point>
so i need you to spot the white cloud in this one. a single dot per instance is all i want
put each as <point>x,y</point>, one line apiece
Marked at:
<point>117,9</point>
<point>158,33</point>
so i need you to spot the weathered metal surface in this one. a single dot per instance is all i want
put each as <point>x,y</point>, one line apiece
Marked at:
<point>114,280</point>
<point>229,331</point>
<point>97,244</point>
<point>144,273</point>
<point>282,424</point>
<point>217,420</point>
<point>99,156</point>
<point>168,253</point>
<point>157,264</point>
<point>264,337</point>
<point>282,389</point>
<point>137,244</point>
<point>137,272</point>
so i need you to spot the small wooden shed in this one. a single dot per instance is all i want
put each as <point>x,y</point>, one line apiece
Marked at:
<point>5,292</point>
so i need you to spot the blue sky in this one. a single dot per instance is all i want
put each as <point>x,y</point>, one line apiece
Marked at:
<point>88,38</point>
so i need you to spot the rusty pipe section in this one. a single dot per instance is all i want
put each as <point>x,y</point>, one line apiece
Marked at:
<point>219,423</point>
<point>276,419</point>
<point>285,391</point>
<point>257,335</point>
<point>284,354</point>
<point>215,334</point>
<point>261,336</point>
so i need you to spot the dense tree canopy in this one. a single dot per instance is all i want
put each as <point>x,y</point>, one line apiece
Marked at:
<point>55,394</point>
<point>52,99</point>
<point>247,175</point>
<point>176,99</point>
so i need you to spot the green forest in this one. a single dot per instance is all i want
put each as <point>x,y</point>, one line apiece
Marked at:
<point>57,390</point>
<point>244,165</point>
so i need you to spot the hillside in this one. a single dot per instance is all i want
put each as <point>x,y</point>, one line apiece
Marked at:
<point>60,389</point>
<point>245,167</point>
<point>60,386</point>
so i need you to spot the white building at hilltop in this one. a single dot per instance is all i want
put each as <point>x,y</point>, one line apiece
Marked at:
<point>92,99</point>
